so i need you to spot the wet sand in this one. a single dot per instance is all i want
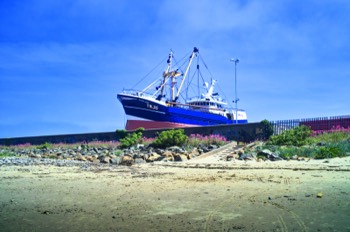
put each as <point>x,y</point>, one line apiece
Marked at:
<point>184,197</point>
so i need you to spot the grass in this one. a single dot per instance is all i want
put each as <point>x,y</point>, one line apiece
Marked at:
<point>320,146</point>
<point>4,154</point>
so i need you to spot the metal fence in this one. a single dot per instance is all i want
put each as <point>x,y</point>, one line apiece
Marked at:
<point>322,124</point>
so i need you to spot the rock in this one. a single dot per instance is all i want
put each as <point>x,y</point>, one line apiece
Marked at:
<point>95,160</point>
<point>140,146</point>
<point>127,160</point>
<point>106,159</point>
<point>212,147</point>
<point>274,157</point>
<point>136,156</point>
<point>154,157</point>
<point>113,156</point>
<point>36,156</point>
<point>191,156</point>
<point>176,149</point>
<point>265,152</point>
<point>319,195</point>
<point>139,161</point>
<point>180,157</point>
<point>195,152</point>
<point>246,157</point>
<point>116,160</point>
<point>168,153</point>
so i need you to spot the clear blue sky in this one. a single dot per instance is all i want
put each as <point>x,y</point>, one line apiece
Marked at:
<point>62,62</point>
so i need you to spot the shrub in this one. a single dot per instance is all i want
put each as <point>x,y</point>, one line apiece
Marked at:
<point>297,136</point>
<point>131,139</point>
<point>329,152</point>
<point>170,138</point>
<point>44,146</point>
<point>267,128</point>
<point>6,154</point>
<point>118,152</point>
<point>121,134</point>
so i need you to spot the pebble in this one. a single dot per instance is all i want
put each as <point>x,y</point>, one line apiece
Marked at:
<point>18,161</point>
<point>319,195</point>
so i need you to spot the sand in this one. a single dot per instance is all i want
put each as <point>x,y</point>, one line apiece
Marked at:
<point>186,196</point>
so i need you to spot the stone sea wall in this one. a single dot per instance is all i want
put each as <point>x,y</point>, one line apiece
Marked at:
<point>241,132</point>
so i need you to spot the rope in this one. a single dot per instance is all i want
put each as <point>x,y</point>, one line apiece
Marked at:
<point>143,78</point>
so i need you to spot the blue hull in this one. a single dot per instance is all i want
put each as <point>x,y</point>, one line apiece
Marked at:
<point>153,111</point>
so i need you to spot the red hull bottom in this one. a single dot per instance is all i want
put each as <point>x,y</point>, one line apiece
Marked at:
<point>134,124</point>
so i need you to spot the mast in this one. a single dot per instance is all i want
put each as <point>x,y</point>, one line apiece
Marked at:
<point>195,51</point>
<point>165,75</point>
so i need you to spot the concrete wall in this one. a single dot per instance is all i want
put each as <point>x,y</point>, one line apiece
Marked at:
<point>241,132</point>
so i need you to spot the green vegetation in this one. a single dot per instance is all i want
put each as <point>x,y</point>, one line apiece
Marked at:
<point>118,152</point>
<point>332,137</point>
<point>300,142</point>
<point>268,128</point>
<point>131,139</point>
<point>329,152</point>
<point>121,134</point>
<point>170,138</point>
<point>44,146</point>
<point>4,154</point>
<point>297,136</point>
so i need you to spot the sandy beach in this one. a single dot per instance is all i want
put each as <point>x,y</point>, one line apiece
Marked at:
<point>184,196</point>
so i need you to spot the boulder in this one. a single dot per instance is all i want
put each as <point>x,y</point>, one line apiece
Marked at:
<point>154,157</point>
<point>106,159</point>
<point>191,156</point>
<point>176,149</point>
<point>213,146</point>
<point>167,153</point>
<point>140,146</point>
<point>95,160</point>
<point>127,160</point>
<point>246,157</point>
<point>136,156</point>
<point>180,157</point>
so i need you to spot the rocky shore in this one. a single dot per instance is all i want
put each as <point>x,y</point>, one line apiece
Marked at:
<point>102,154</point>
<point>229,156</point>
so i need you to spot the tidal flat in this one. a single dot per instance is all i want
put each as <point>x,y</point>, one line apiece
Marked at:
<point>154,197</point>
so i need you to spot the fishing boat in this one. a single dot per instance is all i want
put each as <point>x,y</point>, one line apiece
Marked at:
<point>171,102</point>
